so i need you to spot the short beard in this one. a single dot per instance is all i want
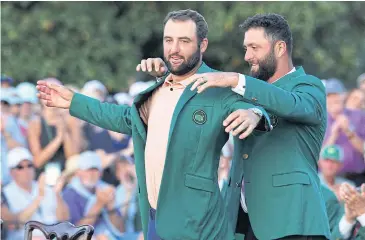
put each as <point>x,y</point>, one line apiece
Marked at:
<point>267,67</point>
<point>187,66</point>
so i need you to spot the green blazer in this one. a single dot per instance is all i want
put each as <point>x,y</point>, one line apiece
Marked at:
<point>282,189</point>
<point>334,212</point>
<point>189,204</point>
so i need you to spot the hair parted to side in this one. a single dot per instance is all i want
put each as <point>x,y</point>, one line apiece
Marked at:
<point>276,28</point>
<point>188,14</point>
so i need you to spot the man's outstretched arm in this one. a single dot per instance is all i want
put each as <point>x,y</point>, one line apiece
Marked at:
<point>105,115</point>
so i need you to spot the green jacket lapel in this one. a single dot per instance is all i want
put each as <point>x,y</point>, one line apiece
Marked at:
<point>138,101</point>
<point>185,97</point>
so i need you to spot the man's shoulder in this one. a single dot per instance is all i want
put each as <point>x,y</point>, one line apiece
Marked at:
<point>309,80</point>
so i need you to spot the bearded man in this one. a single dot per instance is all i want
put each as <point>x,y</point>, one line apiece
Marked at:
<point>273,189</point>
<point>177,136</point>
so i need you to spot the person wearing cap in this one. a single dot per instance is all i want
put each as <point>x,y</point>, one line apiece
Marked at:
<point>11,136</point>
<point>28,94</point>
<point>30,199</point>
<point>330,164</point>
<point>126,193</point>
<point>345,127</point>
<point>6,81</point>
<point>92,201</point>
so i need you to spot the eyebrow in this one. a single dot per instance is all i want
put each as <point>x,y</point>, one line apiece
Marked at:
<point>248,45</point>
<point>180,38</point>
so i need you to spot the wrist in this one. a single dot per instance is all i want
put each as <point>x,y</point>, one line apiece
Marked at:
<point>350,219</point>
<point>257,112</point>
<point>233,79</point>
<point>350,134</point>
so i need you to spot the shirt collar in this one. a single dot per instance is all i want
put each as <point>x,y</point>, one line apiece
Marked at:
<point>181,84</point>
<point>291,71</point>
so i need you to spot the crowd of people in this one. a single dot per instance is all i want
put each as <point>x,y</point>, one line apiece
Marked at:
<point>56,168</point>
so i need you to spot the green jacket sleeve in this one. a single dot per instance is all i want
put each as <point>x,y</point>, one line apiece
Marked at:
<point>304,104</point>
<point>235,102</point>
<point>105,115</point>
<point>335,213</point>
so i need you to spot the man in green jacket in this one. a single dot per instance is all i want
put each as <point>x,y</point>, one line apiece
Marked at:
<point>177,136</point>
<point>281,190</point>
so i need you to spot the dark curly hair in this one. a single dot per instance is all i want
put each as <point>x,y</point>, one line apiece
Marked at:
<point>188,14</point>
<point>275,26</point>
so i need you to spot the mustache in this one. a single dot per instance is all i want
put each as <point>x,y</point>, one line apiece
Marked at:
<point>176,56</point>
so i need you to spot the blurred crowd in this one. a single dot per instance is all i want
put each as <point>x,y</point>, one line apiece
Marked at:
<point>55,167</point>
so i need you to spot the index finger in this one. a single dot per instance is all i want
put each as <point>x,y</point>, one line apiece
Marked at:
<point>197,82</point>
<point>230,118</point>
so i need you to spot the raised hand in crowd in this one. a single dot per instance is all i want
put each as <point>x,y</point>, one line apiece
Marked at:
<point>105,196</point>
<point>354,201</point>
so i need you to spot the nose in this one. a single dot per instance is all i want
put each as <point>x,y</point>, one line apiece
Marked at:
<point>175,48</point>
<point>248,55</point>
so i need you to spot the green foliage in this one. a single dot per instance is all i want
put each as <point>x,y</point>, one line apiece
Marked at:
<point>80,41</point>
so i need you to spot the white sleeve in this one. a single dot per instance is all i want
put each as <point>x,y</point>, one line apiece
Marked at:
<point>345,227</point>
<point>241,86</point>
<point>361,219</point>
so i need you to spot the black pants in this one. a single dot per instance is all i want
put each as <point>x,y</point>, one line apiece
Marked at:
<point>244,226</point>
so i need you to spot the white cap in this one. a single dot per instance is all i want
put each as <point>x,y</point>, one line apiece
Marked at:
<point>27,92</point>
<point>138,87</point>
<point>95,85</point>
<point>18,154</point>
<point>122,98</point>
<point>88,160</point>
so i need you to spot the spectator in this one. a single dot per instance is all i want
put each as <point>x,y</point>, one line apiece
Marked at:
<point>352,224</point>
<point>53,138</point>
<point>361,81</point>
<point>330,164</point>
<point>28,199</point>
<point>28,94</point>
<point>92,201</point>
<point>126,195</point>
<point>356,100</point>
<point>345,128</point>
<point>6,82</point>
<point>11,137</point>
<point>105,143</point>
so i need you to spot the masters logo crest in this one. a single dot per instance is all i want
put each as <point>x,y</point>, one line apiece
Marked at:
<point>199,117</point>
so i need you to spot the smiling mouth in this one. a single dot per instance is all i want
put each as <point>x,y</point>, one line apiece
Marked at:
<point>176,60</point>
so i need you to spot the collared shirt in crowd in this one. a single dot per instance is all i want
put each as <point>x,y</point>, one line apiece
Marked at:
<point>18,199</point>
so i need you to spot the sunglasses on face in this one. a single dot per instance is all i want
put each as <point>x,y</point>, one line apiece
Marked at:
<point>21,167</point>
